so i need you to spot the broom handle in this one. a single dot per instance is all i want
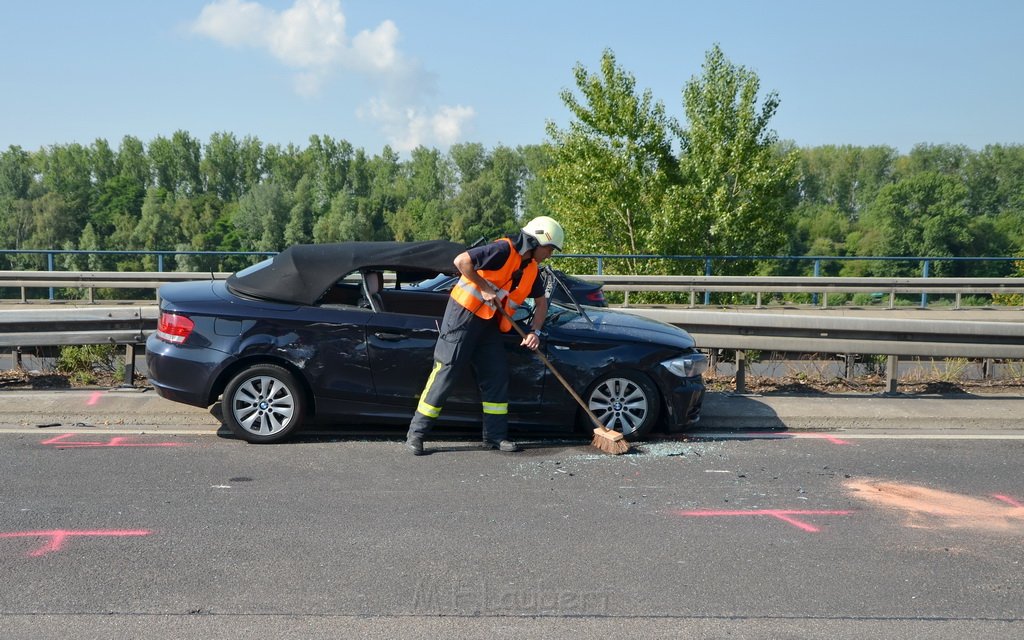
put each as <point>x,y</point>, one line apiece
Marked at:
<point>552,369</point>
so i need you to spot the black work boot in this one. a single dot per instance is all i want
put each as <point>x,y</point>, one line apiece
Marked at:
<point>415,445</point>
<point>505,446</point>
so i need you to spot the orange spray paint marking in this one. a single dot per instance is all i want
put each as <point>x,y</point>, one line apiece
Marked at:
<point>61,442</point>
<point>57,537</point>
<point>928,508</point>
<point>786,515</point>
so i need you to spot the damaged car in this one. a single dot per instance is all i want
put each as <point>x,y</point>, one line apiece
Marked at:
<point>339,335</point>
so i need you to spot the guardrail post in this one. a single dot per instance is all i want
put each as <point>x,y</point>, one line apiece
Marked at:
<point>707,272</point>
<point>892,365</point>
<point>817,273</point>
<point>129,367</point>
<point>741,371</point>
<point>851,366</point>
<point>924,296</point>
<point>49,267</point>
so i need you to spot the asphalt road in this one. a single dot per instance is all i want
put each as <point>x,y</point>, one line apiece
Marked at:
<point>749,534</point>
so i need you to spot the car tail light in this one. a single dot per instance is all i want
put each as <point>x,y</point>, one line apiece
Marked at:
<point>597,297</point>
<point>174,328</point>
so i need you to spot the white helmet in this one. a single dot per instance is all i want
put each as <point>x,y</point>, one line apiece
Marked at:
<point>546,231</point>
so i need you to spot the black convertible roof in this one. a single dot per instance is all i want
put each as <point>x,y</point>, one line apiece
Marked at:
<point>303,272</point>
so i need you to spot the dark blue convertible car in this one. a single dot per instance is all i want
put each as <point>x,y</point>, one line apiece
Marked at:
<point>338,334</point>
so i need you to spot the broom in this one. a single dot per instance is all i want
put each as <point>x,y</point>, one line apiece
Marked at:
<point>605,439</point>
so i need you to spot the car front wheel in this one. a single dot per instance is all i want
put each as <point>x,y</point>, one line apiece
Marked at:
<point>625,401</point>
<point>263,404</point>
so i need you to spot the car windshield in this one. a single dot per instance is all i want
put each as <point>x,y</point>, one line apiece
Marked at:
<point>559,313</point>
<point>430,283</point>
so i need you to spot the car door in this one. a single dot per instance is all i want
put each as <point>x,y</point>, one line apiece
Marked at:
<point>401,349</point>
<point>329,346</point>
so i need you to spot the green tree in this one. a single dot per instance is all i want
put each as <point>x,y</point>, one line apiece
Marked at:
<point>285,165</point>
<point>16,173</point>
<point>923,215</point>
<point>102,161</point>
<point>383,199</point>
<point>349,218</point>
<point>261,217</point>
<point>327,165</point>
<point>611,168</point>
<point>222,166</point>
<point>54,226</point>
<point>118,195</point>
<point>537,160</point>
<point>157,229</point>
<point>133,163</point>
<point>299,229</point>
<point>176,163</point>
<point>487,203</point>
<point>424,188</point>
<point>737,182</point>
<point>67,170</point>
<point>845,178</point>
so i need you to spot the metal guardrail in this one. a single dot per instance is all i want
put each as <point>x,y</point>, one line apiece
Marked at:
<point>92,280</point>
<point>761,285</point>
<point>847,335</point>
<point>894,338</point>
<point>128,326</point>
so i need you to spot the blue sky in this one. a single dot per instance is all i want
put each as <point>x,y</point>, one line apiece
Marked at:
<point>896,72</point>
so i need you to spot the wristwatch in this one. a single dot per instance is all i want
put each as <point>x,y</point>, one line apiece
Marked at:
<point>536,332</point>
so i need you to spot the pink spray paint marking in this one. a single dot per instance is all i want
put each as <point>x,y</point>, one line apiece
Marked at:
<point>816,436</point>
<point>94,398</point>
<point>824,436</point>
<point>57,537</point>
<point>764,435</point>
<point>1010,501</point>
<point>61,442</point>
<point>786,515</point>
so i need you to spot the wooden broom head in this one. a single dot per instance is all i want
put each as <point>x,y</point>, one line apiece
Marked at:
<point>610,442</point>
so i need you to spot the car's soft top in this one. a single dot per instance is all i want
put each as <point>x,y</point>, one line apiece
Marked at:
<point>301,273</point>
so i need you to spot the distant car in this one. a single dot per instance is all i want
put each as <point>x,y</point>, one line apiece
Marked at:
<point>584,292</point>
<point>313,335</point>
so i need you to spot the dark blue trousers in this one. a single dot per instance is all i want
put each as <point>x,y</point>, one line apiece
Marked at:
<point>466,339</point>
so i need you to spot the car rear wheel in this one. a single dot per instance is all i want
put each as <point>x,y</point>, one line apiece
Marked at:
<point>263,404</point>
<point>626,401</point>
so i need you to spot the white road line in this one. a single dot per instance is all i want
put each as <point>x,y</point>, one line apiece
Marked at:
<point>842,435</point>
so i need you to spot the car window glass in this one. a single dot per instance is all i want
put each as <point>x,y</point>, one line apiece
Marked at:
<point>263,264</point>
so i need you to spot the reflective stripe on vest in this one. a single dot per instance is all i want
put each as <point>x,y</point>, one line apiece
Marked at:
<point>469,296</point>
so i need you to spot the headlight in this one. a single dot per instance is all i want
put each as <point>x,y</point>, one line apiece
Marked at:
<point>687,366</point>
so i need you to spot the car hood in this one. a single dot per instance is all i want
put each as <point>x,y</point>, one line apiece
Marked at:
<point>612,323</point>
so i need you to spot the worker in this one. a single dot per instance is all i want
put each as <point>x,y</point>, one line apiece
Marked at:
<point>502,272</point>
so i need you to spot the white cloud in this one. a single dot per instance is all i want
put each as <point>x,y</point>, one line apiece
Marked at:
<point>234,23</point>
<point>310,37</point>
<point>377,48</point>
<point>409,127</point>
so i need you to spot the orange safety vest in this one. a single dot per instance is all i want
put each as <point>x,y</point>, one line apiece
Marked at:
<point>468,295</point>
